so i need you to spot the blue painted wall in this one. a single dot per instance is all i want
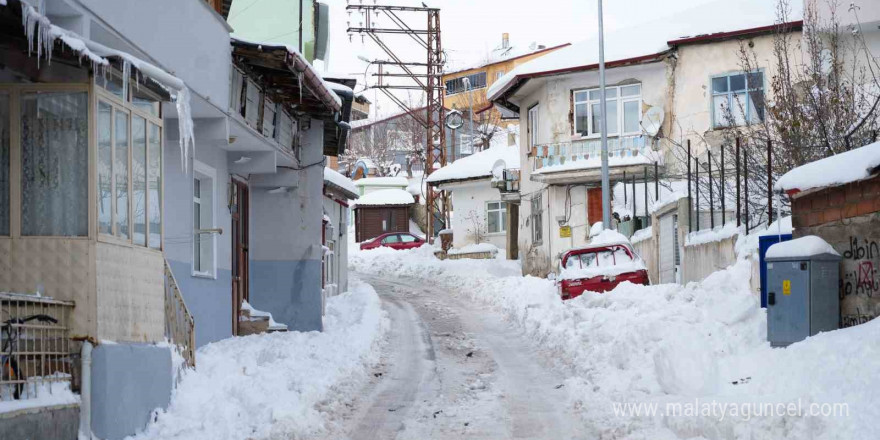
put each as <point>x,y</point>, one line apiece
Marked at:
<point>209,301</point>
<point>129,381</point>
<point>287,289</point>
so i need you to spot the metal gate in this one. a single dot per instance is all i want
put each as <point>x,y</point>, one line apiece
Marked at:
<point>666,255</point>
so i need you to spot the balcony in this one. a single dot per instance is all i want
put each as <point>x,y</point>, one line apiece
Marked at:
<point>580,161</point>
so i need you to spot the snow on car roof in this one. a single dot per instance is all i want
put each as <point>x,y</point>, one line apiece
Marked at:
<point>839,169</point>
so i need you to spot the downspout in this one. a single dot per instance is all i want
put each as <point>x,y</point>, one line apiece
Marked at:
<point>85,407</point>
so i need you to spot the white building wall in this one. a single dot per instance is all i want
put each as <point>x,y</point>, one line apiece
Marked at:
<point>553,96</point>
<point>469,199</point>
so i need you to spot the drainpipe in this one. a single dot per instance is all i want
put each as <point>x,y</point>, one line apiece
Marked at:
<point>85,407</point>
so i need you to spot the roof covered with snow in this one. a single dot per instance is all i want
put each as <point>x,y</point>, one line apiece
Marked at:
<point>344,183</point>
<point>803,247</point>
<point>402,182</point>
<point>478,165</point>
<point>386,197</point>
<point>645,39</point>
<point>503,54</point>
<point>839,169</point>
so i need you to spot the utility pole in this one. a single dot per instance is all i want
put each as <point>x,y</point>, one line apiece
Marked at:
<point>606,185</point>
<point>426,77</point>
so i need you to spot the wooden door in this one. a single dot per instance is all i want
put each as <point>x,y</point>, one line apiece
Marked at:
<point>240,224</point>
<point>594,205</point>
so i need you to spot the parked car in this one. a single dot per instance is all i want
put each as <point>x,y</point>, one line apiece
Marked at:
<point>394,240</point>
<point>600,267</point>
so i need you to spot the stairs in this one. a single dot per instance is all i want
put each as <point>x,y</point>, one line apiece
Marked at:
<point>252,321</point>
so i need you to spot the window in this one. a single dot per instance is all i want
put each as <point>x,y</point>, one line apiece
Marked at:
<point>537,223</point>
<point>737,98</point>
<point>603,258</point>
<point>203,220</point>
<point>496,217</point>
<point>129,166</point>
<point>54,163</point>
<point>457,85</point>
<point>406,238</point>
<point>268,118</point>
<point>623,107</point>
<point>391,239</point>
<point>4,164</point>
<point>533,125</point>
<point>252,104</point>
<point>499,74</point>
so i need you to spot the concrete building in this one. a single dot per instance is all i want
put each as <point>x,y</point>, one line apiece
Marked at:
<point>339,191</point>
<point>480,213</point>
<point>162,202</point>
<point>658,96</point>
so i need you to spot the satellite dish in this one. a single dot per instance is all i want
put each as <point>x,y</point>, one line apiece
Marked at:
<point>652,120</point>
<point>498,169</point>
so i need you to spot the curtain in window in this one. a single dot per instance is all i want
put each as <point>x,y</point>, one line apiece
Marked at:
<point>54,164</point>
<point>4,164</point>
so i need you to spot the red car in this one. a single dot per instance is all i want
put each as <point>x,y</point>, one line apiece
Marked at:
<point>394,240</point>
<point>599,268</point>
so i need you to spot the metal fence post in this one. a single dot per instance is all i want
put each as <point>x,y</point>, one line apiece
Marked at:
<point>723,184</point>
<point>656,181</point>
<point>769,184</point>
<point>690,200</point>
<point>711,194</point>
<point>697,179</point>
<point>624,189</point>
<point>634,199</point>
<point>646,195</point>
<point>738,207</point>
<point>746,183</point>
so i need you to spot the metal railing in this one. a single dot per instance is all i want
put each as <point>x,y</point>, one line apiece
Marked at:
<point>180,327</point>
<point>35,341</point>
<point>559,153</point>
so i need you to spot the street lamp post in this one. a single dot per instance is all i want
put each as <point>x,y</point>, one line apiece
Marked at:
<point>606,185</point>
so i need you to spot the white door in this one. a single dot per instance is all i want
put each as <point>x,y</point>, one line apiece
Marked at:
<point>667,250</point>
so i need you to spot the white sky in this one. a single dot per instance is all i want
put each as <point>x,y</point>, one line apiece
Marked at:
<point>471,28</point>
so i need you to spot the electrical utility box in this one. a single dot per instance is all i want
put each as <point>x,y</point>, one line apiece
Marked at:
<point>802,296</point>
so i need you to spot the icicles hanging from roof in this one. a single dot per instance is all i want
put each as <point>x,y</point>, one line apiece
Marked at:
<point>38,25</point>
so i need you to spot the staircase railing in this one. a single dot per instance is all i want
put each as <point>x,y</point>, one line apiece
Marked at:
<point>180,327</point>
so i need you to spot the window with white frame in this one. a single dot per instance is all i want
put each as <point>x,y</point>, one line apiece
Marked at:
<point>466,142</point>
<point>499,74</point>
<point>737,98</point>
<point>537,221</point>
<point>204,240</point>
<point>129,163</point>
<point>623,106</point>
<point>533,125</point>
<point>496,217</point>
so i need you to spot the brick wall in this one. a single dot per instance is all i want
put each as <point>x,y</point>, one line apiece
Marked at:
<point>837,203</point>
<point>848,218</point>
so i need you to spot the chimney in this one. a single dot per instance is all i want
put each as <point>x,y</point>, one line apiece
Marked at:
<point>505,40</point>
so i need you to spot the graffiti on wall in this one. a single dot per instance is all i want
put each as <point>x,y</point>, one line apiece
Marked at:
<point>859,281</point>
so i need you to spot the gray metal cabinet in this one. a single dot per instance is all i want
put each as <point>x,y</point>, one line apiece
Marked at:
<point>802,297</point>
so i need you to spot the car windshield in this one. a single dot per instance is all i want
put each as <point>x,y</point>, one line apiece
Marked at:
<point>391,239</point>
<point>602,258</point>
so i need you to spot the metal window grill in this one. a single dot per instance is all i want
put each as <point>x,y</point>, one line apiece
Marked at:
<point>35,355</point>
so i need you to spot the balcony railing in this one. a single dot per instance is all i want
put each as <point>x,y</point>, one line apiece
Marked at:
<point>560,153</point>
<point>35,341</point>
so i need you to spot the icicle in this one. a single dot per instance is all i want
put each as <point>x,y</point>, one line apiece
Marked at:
<point>184,125</point>
<point>126,76</point>
<point>35,23</point>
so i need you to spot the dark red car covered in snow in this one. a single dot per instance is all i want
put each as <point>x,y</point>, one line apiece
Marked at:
<point>394,240</point>
<point>599,268</point>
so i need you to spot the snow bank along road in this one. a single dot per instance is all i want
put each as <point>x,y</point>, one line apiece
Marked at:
<point>663,345</point>
<point>452,370</point>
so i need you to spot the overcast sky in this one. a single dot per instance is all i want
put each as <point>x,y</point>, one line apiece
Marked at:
<point>472,28</point>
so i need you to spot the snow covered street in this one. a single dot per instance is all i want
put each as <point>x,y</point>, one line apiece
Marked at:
<point>453,370</point>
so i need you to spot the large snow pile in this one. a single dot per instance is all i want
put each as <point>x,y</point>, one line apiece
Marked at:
<point>277,385</point>
<point>801,247</point>
<point>385,197</point>
<point>839,169</point>
<point>474,248</point>
<point>652,345</point>
<point>332,176</point>
<point>477,165</point>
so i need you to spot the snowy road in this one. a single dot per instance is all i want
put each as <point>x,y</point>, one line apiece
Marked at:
<point>453,369</point>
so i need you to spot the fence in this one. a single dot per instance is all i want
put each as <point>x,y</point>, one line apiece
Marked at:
<point>35,341</point>
<point>180,327</point>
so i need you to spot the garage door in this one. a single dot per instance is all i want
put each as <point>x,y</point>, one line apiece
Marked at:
<point>667,250</point>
